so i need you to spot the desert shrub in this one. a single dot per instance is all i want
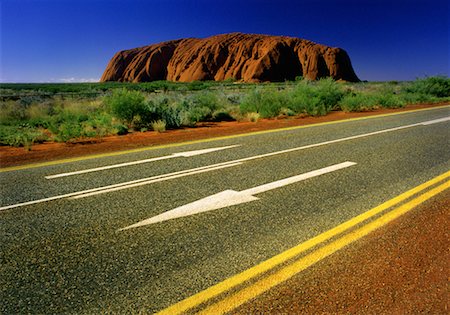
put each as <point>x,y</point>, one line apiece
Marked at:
<point>200,107</point>
<point>70,120</point>
<point>252,116</point>
<point>11,112</point>
<point>223,115</point>
<point>252,101</point>
<point>234,98</point>
<point>329,93</point>
<point>188,110</point>
<point>125,104</point>
<point>21,136</point>
<point>205,99</point>
<point>66,130</point>
<point>284,111</point>
<point>315,98</point>
<point>119,129</point>
<point>302,97</point>
<point>387,98</point>
<point>390,101</point>
<point>265,102</point>
<point>159,125</point>
<point>167,109</point>
<point>413,98</point>
<point>354,102</point>
<point>70,131</point>
<point>102,124</point>
<point>198,85</point>
<point>39,115</point>
<point>438,86</point>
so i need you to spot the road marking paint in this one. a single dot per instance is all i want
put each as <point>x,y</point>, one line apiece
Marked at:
<point>174,155</point>
<point>436,121</point>
<point>309,146</point>
<point>238,298</point>
<point>297,178</point>
<point>139,182</point>
<point>251,273</point>
<point>96,156</point>
<point>229,198</point>
<point>128,184</point>
<point>156,180</point>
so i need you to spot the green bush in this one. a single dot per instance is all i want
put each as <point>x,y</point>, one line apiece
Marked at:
<point>355,102</point>
<point>267,103</point>
<point>205,99</point>
<point>329,93</point>
<point>302,97</point>
<point>159,126</point>
<point>167,109</point>
<point>21,136</point>
<point>387,98</point>
<point>39,115</point>
<point>188,110</point>
<point>12,112</point>
<point>438,86</point>
<point>315,98</point>
<point>413,98</point>
<point>222,115</point>
<point>71,120</point>
<point>390,101</point>
<point>252,116</point>
<point>125,104</point>
<point>67,130</point>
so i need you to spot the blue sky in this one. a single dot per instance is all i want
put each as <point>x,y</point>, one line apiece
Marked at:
<point>69,40</point>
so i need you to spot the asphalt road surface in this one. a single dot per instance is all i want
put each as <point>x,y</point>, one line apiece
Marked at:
<point>401,268</point>
<point>182,228</point>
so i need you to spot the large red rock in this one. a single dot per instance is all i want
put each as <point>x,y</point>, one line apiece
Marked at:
<point>244,57</point>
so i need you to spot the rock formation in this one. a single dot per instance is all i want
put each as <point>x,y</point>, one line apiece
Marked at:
<point>243,57</point>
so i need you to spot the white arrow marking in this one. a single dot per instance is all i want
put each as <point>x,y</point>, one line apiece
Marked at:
<point>174,155</point>
<point>229,198</point>
<point>130,184</point>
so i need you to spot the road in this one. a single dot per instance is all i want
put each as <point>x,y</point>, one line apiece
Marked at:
<point>143,231</point>
<point>402,268</point>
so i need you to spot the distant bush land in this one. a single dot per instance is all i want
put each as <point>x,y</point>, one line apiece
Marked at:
<point>33,113</point>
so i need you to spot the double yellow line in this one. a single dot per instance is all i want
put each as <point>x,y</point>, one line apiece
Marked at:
<point>235,291</point>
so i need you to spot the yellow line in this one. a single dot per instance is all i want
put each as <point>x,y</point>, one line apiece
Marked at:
<point>263,285</point>
<point>248,274</point>
<point>149,148</point>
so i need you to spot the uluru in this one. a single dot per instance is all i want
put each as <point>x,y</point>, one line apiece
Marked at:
<point>237,56</point>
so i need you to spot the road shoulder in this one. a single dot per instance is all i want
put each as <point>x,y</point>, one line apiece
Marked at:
<point>401,268</point>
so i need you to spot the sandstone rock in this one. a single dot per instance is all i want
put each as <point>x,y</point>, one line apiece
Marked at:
<point>243,57</point>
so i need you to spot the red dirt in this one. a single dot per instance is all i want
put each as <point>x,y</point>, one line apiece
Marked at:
<point>401,268</point>
<point>10,156</point>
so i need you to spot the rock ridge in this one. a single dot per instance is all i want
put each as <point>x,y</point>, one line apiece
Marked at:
<point>238,56</point>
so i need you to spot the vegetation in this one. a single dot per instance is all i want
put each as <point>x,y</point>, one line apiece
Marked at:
<point>33,113</point>
<point>159,126</point>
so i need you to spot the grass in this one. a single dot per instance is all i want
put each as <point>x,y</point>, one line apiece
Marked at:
<point>32,113</point>
<point>159,126</point>
<point>253,117</point>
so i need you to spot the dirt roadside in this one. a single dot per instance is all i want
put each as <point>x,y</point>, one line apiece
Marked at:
<point>401,268</point>
<point>10,156</point>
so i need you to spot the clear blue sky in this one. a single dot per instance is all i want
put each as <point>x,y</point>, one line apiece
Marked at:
<point>73,40</point>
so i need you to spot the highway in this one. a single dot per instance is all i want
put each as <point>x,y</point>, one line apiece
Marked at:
<point>145,231</point>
